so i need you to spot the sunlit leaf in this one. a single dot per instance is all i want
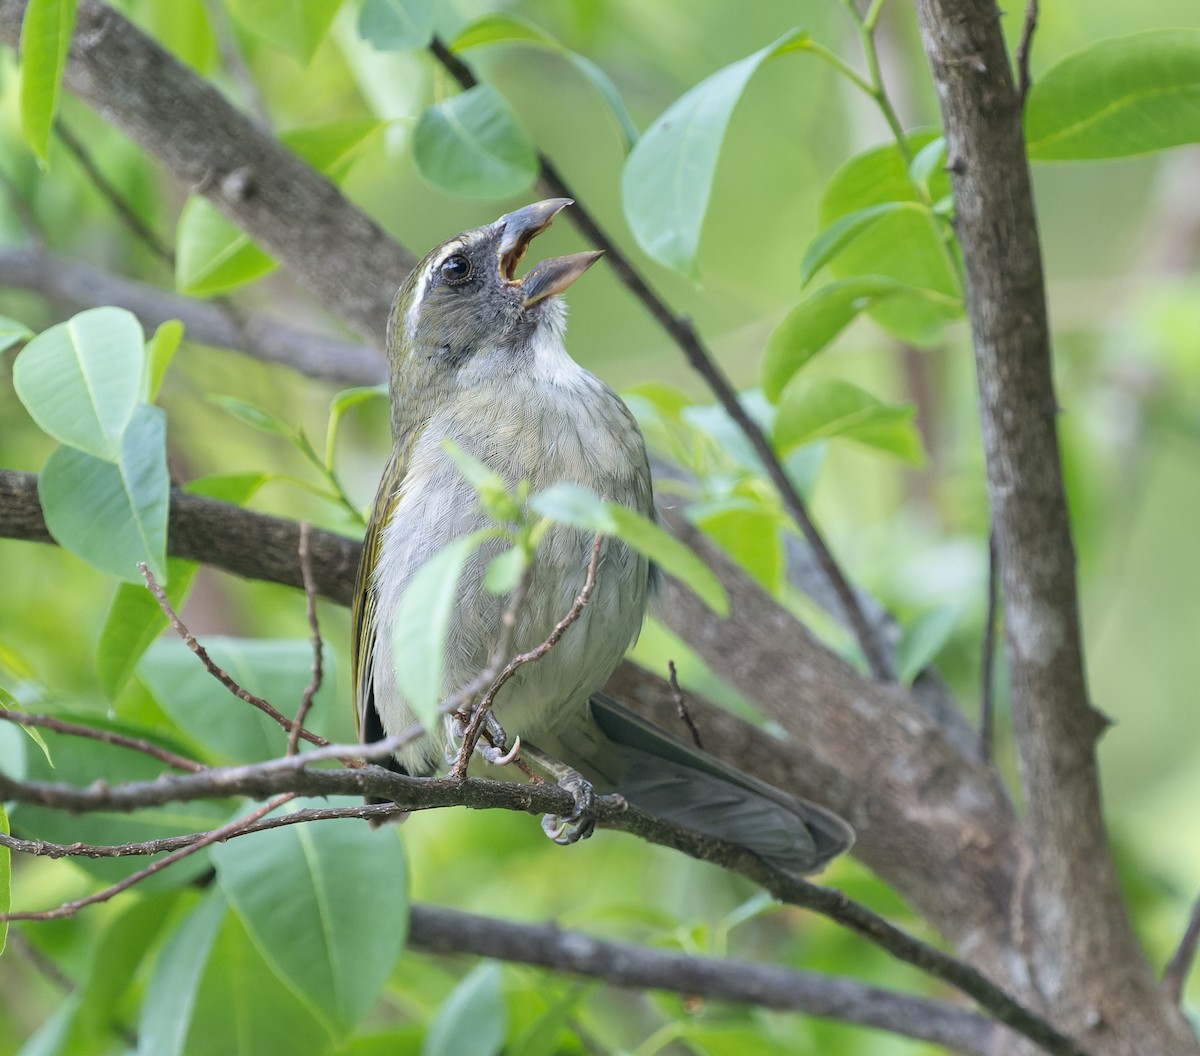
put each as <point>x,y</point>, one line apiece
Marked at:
<point>81,380</point>
<point>7,700</point>
<point>473,1020</point>
<point>471,144</point>
<point>348,882</point>
<point>332,147</point>
<point>396,25</point>
<point>12,332</point>
<point>1117,97</point>
<point>212,254</point>
<point>160,350</point>
<point>668,177</point>
<point>747,533</point>
<point>912,246</point>
<point>821,408</point>
<point>816,321</point>
<point>923,639</point>
<point>45,39</point>
<point>512,29</point>
<point>113,514</point>
<point>838,235</point>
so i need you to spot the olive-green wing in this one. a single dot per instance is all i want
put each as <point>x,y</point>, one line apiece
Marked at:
<point>363,613</point>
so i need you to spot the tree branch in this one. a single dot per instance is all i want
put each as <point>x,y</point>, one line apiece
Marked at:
<point>446,931</point>
<point>1085,943</point>
<point>205,322</point>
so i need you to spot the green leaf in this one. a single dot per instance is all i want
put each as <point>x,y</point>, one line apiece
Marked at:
<point>294,26</point>
<point>668,177</point>
<point>813,324</point>
<point>175,980</point>
<point>12,333</point>
<point>747,533</point>
<point>818,409</point>
<point>326,905</point>
<point>113,515</point>
<point>923,639</point>
<point>255,416</point>
<point>212,254</point>
<point>332,147</point>
<point>505,570</point>
<point>80,380</point>
<point>838,235</point>
<point>1117,97</point>
<point>339,405</point>
<point>45,41</point>
<point>512,29</point>
<point>908,245</point>
<point>7,700</point>
<point>473,1020</point>
<point>493,493</point>
<point>227,729</point>
<point>396,25</point>
<point>471,145</point>
<point>160,350</point>
<point>575,505</point>
<point>422,625</point>
<point>5,879</point>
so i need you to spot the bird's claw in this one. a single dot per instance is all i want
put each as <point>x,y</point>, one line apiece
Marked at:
<point>580,823</point>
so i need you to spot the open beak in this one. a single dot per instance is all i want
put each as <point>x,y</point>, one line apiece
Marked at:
<point>550,277</point>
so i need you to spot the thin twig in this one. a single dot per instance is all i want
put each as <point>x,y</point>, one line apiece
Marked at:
<point>1024,48</point>
<point>479,717</point>
<point>318,668</point>
<point>1176,972</point>
<point>116,201</point>
<point>234,64</point>
<point>683,333</point>
<point>46,849</point>
<point>220,675</point>
<point>681,704</point>
<point>69,909</point>
<point>987,659</point>
<point>76,729</point>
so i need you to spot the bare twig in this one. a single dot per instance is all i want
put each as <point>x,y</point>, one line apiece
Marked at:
<point>69,909</point>
<point>1024,47</point>
<point>1176,972</point>
<point>213,669</point>
<point>472,732</point>
<point>681,704</point>
<point>76,729</point>
<point>683,333</point>
<point>987,659</point>
<point>235,65</point>
<point>318,670</point>
<point>116,201</point>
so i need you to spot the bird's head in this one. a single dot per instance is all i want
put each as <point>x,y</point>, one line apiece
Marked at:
<point>464,303</point>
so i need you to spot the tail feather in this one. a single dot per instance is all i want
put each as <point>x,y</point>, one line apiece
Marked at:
<point>619,751</point>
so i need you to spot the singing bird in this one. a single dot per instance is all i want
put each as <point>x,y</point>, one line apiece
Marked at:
<point>477,356</point>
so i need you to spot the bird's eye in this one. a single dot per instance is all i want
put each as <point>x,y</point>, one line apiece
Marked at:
<point>456,269</point>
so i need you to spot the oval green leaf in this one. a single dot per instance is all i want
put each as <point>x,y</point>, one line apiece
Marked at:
<point>819,409</point>
<point>471,145</point>
<point>1118,97</point>
<point>813,324</point>
<point>45,40</point>
<point>212,254</point>
<point>396,25</point>
<point>81,380</point>
<point>512,29</point>
<point>667,180</point>
<point>909,245</point>
<point>113,514</point>
<point>422,625</point>
<point>838,235</point>
<point>12,333</point>
<point>326,905</point>
<point>473,1020</point>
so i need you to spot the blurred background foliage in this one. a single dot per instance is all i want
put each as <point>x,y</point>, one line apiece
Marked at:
<point>1121,241</point>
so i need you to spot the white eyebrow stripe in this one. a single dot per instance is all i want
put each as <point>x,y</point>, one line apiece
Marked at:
<point>422,286</point>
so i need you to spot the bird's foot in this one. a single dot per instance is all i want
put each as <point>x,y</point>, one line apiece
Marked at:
<point>580,823</point>
<point>495,749</point>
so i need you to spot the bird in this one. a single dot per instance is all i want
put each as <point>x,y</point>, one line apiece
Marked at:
<point>477,356</point>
